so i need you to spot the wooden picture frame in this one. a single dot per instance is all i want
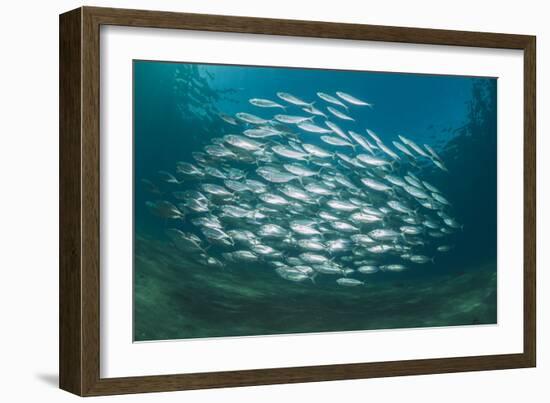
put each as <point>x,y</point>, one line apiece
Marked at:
<point>80,199</point>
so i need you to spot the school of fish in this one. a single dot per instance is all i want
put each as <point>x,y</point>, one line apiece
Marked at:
<point>307,193</point>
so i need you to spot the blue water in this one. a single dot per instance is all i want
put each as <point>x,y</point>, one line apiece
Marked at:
<point>176,110</point>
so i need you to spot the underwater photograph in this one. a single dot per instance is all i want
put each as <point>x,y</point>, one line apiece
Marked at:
<point>278,200</point>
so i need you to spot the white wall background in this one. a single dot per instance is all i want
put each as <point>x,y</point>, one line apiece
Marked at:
<point>29,199</point>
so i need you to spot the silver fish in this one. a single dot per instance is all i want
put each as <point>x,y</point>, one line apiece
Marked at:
<point>184,241</point>
<point>349,282</point>
<point>403,149</point>
<point>430,187</point>
<point>272,231</point>
<point>316,151</point>
<point>339,114</point>
<point>228,119</point>
<point>440,165</point>
<point>261,132</point>
<point>352,100</point>
<point>420,259</point>
<point>365,218</point>
<point>336,141</point>
<point>256,186</point>
<point>374,136</point>
<point>440,198</point>
<point>399,206</point>
<point>361,141</point>
<point>214,172</point>
<point>372,160</point>
<point>369,269</point>
<point>273,199</point>
<point>294,193</point>
<point>319,189</point>
<point>313,258</point>
<point>388,151</point>
<point>165,209</point>
<point>299,170</point>
<point>414,191</point>
<point>432,152</point>
<point>244,255</point>
<point>265,103</point>
<point>341,205</point>
<point>236,186</point>
<point>243,142</point>
<point>410,230</point>
<point>303,229</point>
<point>311,244</point>
<point>216,190</point>
<point>336,129</point>
<point>314,111</point>
<point>287,152</point>
<point>274,175</point>
<point>331,99</point>
<point>384,234</point>
<point>395,180</point>
<point>219,151</point>
<point>343,226</point>
<point>393,267</point>
<point>292,99</point>
<point>414,146</point>
<point>249,118</point>
<point>292,119</point>
<point>168,177</point>
<point>375,185</point>
<point>313,128</point>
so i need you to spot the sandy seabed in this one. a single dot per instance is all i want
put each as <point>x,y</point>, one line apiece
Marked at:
<point>175,298</point>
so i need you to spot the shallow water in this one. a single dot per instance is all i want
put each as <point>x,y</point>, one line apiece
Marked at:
<point>175,297</point>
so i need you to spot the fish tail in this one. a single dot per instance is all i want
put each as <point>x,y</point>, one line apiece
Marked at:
<point>312,277</point>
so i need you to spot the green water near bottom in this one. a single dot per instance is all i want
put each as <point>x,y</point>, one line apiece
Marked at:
<point>175,298</point>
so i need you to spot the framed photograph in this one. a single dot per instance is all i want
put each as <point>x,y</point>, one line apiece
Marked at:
<point>250,201</point>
